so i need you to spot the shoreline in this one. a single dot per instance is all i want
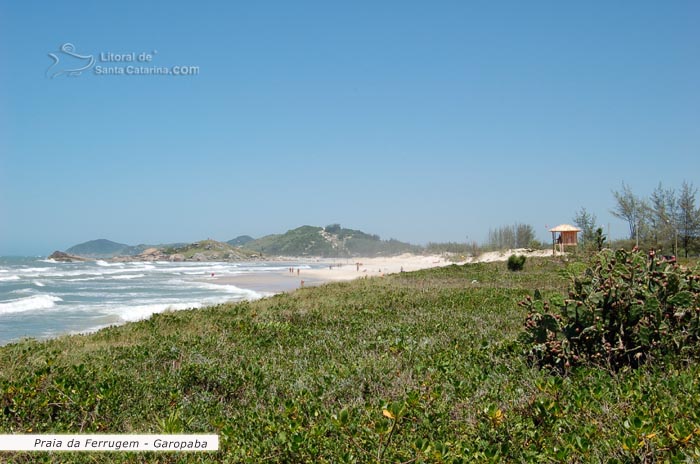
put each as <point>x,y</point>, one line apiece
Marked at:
<point>346,269</point>
<point>327,270</point>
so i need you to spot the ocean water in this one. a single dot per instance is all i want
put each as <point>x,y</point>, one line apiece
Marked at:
<point>41,298</point>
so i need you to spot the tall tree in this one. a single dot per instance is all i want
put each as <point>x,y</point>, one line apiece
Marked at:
<point>632,209</point>
<point>515,236</point>
<point>688,221</point>
<point>664,214</point>
<point>586,222</point>
<point>524,235</point>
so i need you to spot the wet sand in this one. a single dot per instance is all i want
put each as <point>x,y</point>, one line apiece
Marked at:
<point>269,282</point>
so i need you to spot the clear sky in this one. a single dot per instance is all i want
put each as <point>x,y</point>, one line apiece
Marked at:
<point>421,121</point>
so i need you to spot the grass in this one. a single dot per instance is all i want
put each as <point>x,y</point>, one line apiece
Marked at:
<point>414,367</point>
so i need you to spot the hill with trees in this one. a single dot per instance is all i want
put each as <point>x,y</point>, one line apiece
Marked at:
<point>103,248</point>
<point>330,241</point>
<point>240,240</point>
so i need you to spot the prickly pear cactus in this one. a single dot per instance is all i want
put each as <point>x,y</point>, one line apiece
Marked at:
<point>625,309</point>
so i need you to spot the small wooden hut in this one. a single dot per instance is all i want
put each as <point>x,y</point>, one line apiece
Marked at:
<point>568,236</point>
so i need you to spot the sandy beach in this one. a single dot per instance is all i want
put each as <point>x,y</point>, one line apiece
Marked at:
<point>348,269</point>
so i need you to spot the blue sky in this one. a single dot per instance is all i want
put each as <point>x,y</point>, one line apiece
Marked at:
<point>422,121</point>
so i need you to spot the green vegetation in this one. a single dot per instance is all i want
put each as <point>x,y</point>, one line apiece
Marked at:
<point>587,223</point>
<point>416,367</point>
<point>624,310</point>
<point>668,220</point>
<point>240,240</point>
<point>516,262</point>
<point>103,248</point>
<point>100,248</point>
<point>514,236</point>
<point>329,241</point>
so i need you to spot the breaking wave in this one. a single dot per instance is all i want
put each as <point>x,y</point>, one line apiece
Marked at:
<point>30,303</point>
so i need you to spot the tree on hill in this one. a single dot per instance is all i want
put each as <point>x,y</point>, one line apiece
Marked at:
<point>331,241</point>
<point>333,228</point>
<point>240,240</point>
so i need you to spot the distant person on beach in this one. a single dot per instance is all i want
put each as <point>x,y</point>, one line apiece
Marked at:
<point>297,271</point>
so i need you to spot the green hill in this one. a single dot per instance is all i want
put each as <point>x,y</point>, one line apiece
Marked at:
<point>101,248</point>
<point>329,241</point>
<point>240,240</point>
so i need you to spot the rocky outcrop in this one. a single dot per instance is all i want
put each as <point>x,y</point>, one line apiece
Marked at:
<point>63,257</point>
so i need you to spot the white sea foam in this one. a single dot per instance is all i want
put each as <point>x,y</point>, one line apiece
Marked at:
<point>128,276</point>
<point>30,303</point>
<point>34,271</point>
<point>140,312</point>
<point>243,292</point>
<point>82,273</point>
<point>103,263</point>
<point>90,294</point>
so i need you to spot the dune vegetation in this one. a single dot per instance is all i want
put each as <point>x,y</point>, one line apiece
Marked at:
<point>426,366</point>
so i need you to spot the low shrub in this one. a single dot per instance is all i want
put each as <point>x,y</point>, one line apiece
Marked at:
<point>516,262</point>
<point>625,309</point>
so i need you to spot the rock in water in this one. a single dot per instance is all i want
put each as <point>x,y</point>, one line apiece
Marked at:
<point>66,258</point>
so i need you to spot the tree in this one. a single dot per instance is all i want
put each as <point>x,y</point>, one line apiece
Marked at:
<point>332,228</point>
<point>599,239</point>
<point>524,235</point>
<point>688,220</point>
<point>586,222</point>
<point>664,214</point>
<point>515,236</point>
<point>632,209</point>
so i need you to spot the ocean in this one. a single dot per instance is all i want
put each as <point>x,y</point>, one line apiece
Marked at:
<point>42,298</point>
